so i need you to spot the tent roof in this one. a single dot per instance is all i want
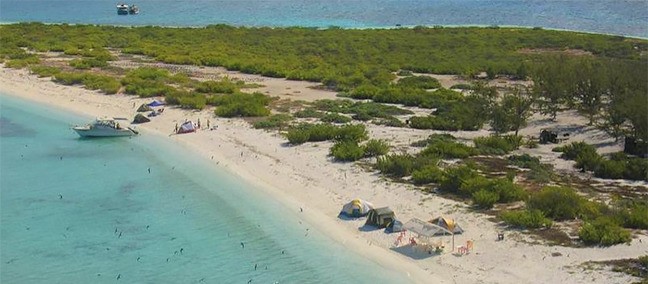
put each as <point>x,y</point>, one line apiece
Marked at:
<point>424,228</point>
<point>383,211</point>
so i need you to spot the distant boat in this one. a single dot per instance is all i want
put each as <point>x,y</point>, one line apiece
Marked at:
<point>134,10</point>
<point>122,9</point>
<point>104,127</point>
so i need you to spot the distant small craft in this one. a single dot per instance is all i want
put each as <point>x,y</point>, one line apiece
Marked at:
<point>104,127</point>
<point>133,10</point>
<point>124,9</point>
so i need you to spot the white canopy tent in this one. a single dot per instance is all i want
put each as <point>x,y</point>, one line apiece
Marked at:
<point>425,229</point>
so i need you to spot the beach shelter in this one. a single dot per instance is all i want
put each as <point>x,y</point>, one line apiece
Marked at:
<point>448,224</point>
<point>356,208</point>
<point>395,226</point>
<point>144,108</point>
<point>380,217</point>
<point>155,103</point>
<point>139,118</point>
<point>425,229</point>
<point>186,127</point>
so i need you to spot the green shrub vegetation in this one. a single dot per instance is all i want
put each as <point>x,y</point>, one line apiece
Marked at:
<point>497,145</point>
<point>309,112</point>
<point>619,166</point>
<point>87,63</point>
<point>526,219</point>
<point>347,151</point>
<point>448,149</point>
<point>341,59</point>
<point>322,132</point>
<point>559,203</point>
<point>389,121</point>
<point>396,165</point>
<point>427,174</point>
<point>335,118</point>
<point>225,86</point>
<point>106,84</point>
<point>148,82</point>
<point>44,71</point>
<point>603,231</point>
<point>241,105</point>
<point>276,121</point>
<point>419,82</point>
<point>374,148</point>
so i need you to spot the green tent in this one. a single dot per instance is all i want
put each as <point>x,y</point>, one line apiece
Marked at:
<point>380,217</point>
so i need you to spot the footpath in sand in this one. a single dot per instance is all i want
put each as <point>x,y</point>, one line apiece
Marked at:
<point>305,177</point>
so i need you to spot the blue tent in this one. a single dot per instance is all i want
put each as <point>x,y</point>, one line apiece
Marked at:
<point>155,103</point>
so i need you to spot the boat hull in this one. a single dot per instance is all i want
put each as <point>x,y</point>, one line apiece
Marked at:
<point>85,132</point>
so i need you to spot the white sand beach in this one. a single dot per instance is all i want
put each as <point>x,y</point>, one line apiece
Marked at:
<point>304,178</point>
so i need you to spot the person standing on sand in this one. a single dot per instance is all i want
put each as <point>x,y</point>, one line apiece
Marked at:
<point>208,124</point>
<point>176,129</point>
<point>199,123</point>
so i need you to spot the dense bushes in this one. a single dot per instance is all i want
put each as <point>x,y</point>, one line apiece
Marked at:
<point>273,121</point>
<point>148,82</point>
<point>186,100</point>
<point>528,219</point>
<point>87,63</point>
<point>427,174</point>
<point>308,112</point>
<point>618,166</point>
<point>322,132</point>
<point>396,165</point>
<point>538,171</point>
<point>225,86</point>
<point>603,231</point>
<point>369,56</point>
<point>106,84</point>
<point>558,203</point>
<point>240,105</point>
<point>364,109</point>
<point>419,82</point>
<point>448,149</point>
<point>350,150</point>
<point>497,145</point>
<point>335,118</point>
<point>374,148</point>
<point>44,71</point>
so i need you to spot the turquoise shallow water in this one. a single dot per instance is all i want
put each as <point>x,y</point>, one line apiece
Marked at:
<point>602,16</point>
<point>87,211</point>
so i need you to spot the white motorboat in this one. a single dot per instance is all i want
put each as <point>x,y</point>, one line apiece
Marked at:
<point>122,9</point>
<point>104,127</point>
<point>133,10</point>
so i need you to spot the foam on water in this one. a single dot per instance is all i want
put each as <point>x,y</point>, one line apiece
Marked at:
<point>600,16</point>
<point>88,211</point>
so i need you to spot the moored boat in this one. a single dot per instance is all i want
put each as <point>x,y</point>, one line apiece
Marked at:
<point>122,9</point>
<point>134,10</point>
<point>104,127</point>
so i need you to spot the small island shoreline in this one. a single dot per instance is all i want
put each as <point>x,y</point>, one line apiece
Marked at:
<point>303,178</point>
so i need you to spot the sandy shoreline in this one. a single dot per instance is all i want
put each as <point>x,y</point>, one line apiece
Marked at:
<point>304,177</point>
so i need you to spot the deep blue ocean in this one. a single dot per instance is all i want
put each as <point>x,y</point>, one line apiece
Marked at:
<point>618,17</point>
<point>88,211</point>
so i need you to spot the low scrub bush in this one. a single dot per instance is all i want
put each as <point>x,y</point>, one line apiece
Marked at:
<point>434,138</point>
<point>335,118</point>
<point>497,145</point>
<point>106,84</point>
<point>241,105</point>
<point>603,231</point>
<point>448,149</point>
<point>462,87</point>
<point>559,203</point>
<point>225,86</point>
<point>374,148</point>
<point>347,151</point>
<point>419,82</point>
<point>427,174</point>
<point>44,71</point>
<point>390,121</point>
<point>454,177</point>
<point>396,165</point>
<point>87,63</point>
<point>527,219</point>
<point>273,122</point>
<point>571,151</point>
<point>524,161</point>
<point>634,216</point>
<point>309,113</point>
<point>484,199</point>
<point>322,132</point>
